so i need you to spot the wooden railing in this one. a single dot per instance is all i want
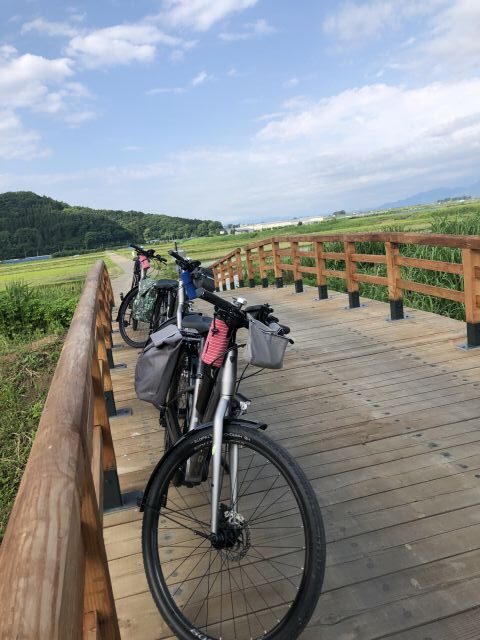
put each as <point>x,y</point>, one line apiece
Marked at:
<point>269,254</point>
<point>55,582</point>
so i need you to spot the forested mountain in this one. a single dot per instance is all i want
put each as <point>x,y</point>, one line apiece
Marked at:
<point>31,224</point>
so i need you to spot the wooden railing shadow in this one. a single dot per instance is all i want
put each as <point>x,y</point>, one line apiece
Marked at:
<point>55,582</point>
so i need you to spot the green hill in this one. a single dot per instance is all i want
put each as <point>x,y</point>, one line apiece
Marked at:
<point>31,224</point>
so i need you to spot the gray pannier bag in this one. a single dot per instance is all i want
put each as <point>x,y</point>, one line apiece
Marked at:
<point>144,303</point>
<point>155,365</point>
<point>265,347</point>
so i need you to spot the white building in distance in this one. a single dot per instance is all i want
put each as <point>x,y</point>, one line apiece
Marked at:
<point>260,226</point>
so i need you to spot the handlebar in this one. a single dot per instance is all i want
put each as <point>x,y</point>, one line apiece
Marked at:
<point>149,253</point>
<point>188,265</point>
<point>239,315</point>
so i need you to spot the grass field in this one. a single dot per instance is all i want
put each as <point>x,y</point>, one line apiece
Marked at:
<point>418,218</point>
<point>54,270</point>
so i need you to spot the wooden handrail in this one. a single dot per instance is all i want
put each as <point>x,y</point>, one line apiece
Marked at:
<point>266,255</point>
<point>55,580</point>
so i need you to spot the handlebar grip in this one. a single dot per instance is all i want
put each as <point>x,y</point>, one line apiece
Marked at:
<point>136,247</point>
<point>160,259</point>
<point>176,255</point>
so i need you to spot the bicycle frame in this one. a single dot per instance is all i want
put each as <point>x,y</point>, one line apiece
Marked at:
<point>227,391</point>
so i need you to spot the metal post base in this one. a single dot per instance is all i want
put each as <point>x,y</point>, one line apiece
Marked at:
<point>473,334</point>
<point>112,498</point>
<point>396,310</point>
<point>298,286</point>
<point>265,283</point>
<point>240,284</point>
<point>111,363</point>
<point>353,299</point>
<point>251,283</point>
<point>110,402</point>
<point>322,292</point>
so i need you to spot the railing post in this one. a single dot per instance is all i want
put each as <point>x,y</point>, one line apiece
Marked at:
<point>350,269</point>
<point>105,320</point>
<point>98,594</point>
<point>238,258</point>
<point>231,281</point>
<point>250,275</point>
<point>215,277</point>
<point>223,276</point>
<point>321,278</point>
<point>111,488</point>
<point>105,371</point>
<point>262,266</point>
<point>277,265</point>
<point>471,284</point>
<point>297,274</point>
<point>395,293</point>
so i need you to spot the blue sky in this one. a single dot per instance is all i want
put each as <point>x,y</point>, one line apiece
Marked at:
<point>238,110</point>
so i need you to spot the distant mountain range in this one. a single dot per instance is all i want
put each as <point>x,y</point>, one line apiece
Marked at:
<point>425,197</point>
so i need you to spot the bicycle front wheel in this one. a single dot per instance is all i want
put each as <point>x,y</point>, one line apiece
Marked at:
<point>134,332</point>
<point>261,576</point>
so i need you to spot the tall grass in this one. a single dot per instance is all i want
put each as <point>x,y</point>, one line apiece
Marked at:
<point>460,221</point>
<point>27,312</point>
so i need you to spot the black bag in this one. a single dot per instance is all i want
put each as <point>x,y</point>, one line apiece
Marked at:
<point>155,365</point>
<point>203,278</point>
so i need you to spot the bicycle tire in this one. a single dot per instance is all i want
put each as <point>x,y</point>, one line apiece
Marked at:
<point>172,576</point>
<point>134,332</point>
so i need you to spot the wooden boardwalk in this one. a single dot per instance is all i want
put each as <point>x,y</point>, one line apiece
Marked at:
<point>385,419</point>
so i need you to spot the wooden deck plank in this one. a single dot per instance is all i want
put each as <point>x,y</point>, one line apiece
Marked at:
<point>385,419</point>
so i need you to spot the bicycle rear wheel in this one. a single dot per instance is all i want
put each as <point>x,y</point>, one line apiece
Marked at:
<point>262,576</point>
<point>179,401</point>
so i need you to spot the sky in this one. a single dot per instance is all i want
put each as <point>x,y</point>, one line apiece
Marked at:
<point>238,110</point>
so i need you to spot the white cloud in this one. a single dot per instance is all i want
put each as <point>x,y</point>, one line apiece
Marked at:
<point>250,30</point>
<point>7,52</point>
<point>290,83</point>
<point>25,80</point>
<point>36,84</point>
<point>356,21</point>
<point>160,90</point>
<point>76,118</point>
<point>119,45</point>
<point>17,143</point>
<point>200,78</point>
<point>200,15</point>
<point>50,28</point>
<point>454,43</point>
<point>378,116</point>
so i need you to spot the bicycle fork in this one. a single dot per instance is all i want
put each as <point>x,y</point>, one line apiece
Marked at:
<point>227,391</point>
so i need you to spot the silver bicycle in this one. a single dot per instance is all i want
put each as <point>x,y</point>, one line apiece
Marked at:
<point>233,540</point>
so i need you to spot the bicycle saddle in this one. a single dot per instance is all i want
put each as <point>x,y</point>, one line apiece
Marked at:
<point>198,322</point>
<point>166,284</point>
